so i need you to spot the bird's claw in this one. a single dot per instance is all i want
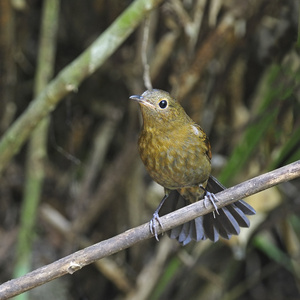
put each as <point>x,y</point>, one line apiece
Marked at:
<point>153,226</point>
<point>212,199</point>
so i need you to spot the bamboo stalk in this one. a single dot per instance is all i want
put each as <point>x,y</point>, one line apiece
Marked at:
<point>37,146</point>
<point>69,79</point>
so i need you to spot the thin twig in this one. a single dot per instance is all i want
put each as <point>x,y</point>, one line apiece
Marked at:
<point>146,75</point>
<point>79,259</point>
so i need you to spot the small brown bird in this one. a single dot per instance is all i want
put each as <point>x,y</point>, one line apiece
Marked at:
<point>176,152</point>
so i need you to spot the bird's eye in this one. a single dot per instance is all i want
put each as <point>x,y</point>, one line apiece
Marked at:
<point>163,104</point>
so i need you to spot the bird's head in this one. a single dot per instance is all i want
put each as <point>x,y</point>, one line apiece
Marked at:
<point>160,108</point>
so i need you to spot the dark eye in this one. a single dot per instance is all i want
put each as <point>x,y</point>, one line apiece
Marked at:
<point>163,103</point>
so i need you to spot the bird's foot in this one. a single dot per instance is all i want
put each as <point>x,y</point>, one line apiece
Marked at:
<point>212,199</point>
<point>153,225</point>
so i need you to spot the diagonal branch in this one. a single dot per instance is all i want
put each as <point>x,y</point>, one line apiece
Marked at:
<point>79,259</point>
<point>69,79</point>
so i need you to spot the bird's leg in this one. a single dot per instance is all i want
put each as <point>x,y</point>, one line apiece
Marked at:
<point>210,197</point>
<point>156,217</point>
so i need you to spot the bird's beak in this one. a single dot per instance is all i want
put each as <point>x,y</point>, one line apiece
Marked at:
<point>141,100</point>
<point>136,97</point>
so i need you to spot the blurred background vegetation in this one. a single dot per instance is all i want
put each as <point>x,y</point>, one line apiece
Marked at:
<point>234,66</point>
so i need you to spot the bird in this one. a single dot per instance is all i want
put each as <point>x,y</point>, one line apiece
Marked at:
<point>177,154</point>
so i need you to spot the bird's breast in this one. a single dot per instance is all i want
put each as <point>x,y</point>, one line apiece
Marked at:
<point>174,159</point>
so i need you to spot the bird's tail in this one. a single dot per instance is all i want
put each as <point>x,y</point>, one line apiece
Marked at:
<point>211,226</point>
